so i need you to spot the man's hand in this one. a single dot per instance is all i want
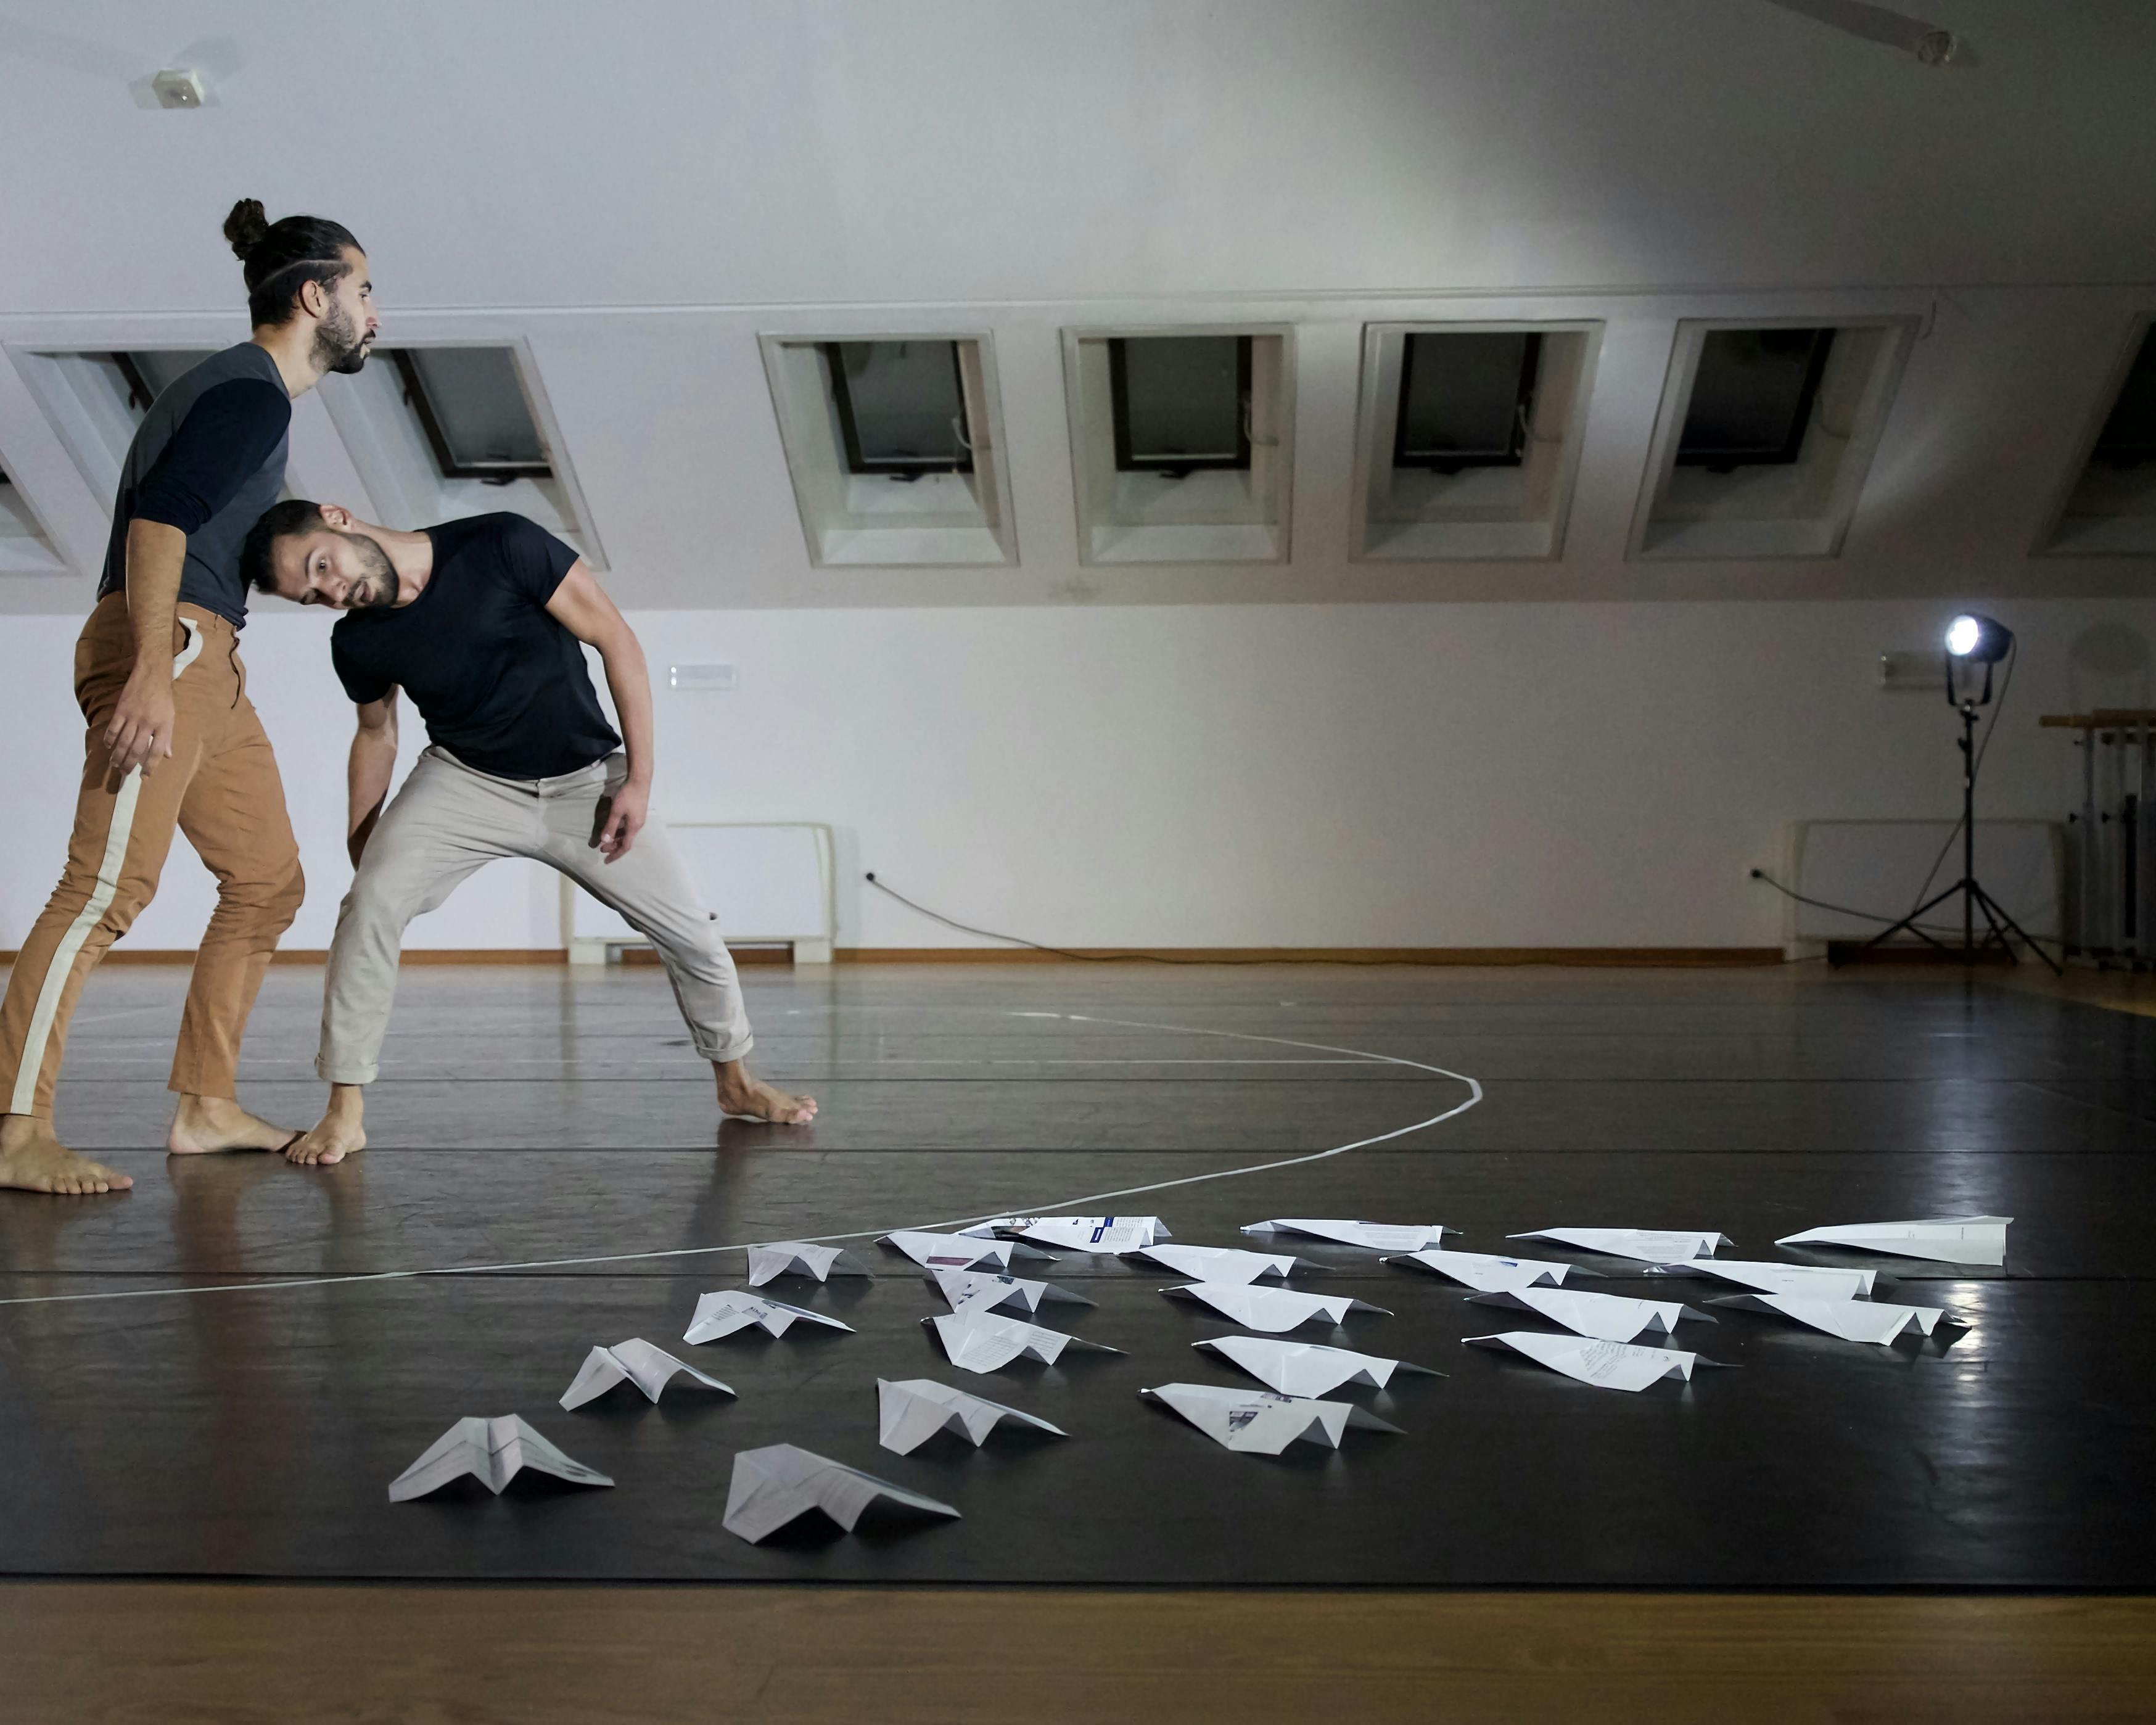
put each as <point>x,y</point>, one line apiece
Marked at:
<point>140,733</point>
<point>626,812</point>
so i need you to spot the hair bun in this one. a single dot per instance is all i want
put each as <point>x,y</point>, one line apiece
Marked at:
<point>246,227</point>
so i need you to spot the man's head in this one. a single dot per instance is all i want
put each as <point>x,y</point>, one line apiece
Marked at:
<point>308,267</point>
<point>318,554</point>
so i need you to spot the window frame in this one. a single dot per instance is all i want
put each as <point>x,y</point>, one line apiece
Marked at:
<point>1800,417</point>
<point>905,471</point>
<point>497,473</point>
<point>1523,405</point>
<point>1178,467</point>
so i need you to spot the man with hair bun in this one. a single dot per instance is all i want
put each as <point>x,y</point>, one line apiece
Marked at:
<point>172,740</point>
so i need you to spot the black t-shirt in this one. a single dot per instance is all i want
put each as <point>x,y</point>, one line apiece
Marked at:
<point>502,684</point>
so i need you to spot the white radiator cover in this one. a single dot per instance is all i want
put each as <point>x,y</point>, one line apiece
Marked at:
<point>770,882</point>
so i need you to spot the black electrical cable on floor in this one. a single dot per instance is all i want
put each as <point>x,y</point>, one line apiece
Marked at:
<point>1821,904</point>
<point>1020,939</point>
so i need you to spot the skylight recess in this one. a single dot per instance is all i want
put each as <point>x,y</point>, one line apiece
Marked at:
<point>2110,507</point>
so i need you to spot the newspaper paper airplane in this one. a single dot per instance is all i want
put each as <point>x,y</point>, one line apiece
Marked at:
<point>1942,1240</point>
<point>1261,1422</point>
<point>1805,1280</point>
<point>958,1252</point>
<point>1606,1365</point>
<point>970,1291</point>
<point>730,1309</point>
<point>1649,1246</point>
<point>1273,1311</point>
<point>1852,1320</point>
<point>1304,1368</point>
<point>980,1341</point>
<point>1224,1263</point>
<point>1490,1273</point>
<point>775,1486</point>
<point>913,1410</point>
<point>1080,1234</point>
<point>634,1362</point>
<point>797,1257</point>
<point>1607,1318</point>
<point>1377,1236</point>
<point>493,1452</point>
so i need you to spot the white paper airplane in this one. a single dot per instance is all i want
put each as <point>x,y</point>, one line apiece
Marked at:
<point>730,1309</point>
<point>1942,1240</point>
<point>980,1341</point>
<point>1261,1422</point>
<point>958,1252</point>
<point>1607,1318</point>
<point>1606,1365</point>
<point>797,1257</point>
<point>1852,1320</point>
<point>1272,1310</point>
<point>1304,1368</point>
<point>1491,1273</point>
<point>971,1291</point>
<point>1377,1236</point>
<point>1224,1263</point>
<point>635,1361</point>
<point>912,1410</point>
<point>775,1486</point>
<point>1804,1280</point>
<point>1648,1245</point>
<point>1080,1234</point>
<point>492,1451</point>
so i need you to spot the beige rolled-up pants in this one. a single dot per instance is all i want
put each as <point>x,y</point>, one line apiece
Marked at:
<point>449,819</point>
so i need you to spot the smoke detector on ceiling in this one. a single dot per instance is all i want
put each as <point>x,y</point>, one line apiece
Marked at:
<point>177,88</point>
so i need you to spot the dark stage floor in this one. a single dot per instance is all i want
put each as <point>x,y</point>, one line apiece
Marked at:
<point>530,1115</point>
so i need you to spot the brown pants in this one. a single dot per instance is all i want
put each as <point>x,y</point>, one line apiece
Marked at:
<point>221,789</point>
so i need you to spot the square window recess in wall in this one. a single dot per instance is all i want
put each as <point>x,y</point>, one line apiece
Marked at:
<point>1181,444</point>
<point>894,443</point>
<point>1468,437</point>
<point>1765,434</point>
<point>439,430</point>
<point>24,550</point>
<point>2110,506</point>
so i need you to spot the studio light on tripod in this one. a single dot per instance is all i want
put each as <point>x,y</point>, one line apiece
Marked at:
<point>1983,639</point>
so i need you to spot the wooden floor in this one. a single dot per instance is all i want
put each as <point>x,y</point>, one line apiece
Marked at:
<point>1980,1512</point>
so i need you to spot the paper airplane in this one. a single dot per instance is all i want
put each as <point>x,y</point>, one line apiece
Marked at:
<point>1942,1240</point>
<point>492,1451</point>
<point>980,1342</point>
<point>797,1257</point>
<point>1272,1310</point>
<point>1852,1320</point>
<point>1377,1236</point>
<point>1491,1273</point>
<point>1224,1263</point>
<point>970,1291</point>
<point>1304,1368</point>
<point>912,1410</point>
<point>1802,1279</point>
<point>1606,1365</point>
<point>1260,1422</point>
<point>722,1313</point>
<point>1607,1318</point>
<point>958,1252</point>
<point>634,1362</point>
<point>1649,1246</point>
<point>779,1484</point>
<point>1080,1234</point>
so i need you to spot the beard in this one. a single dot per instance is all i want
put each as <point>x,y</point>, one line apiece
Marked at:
<point>377,587</point>
<point>339,346</point>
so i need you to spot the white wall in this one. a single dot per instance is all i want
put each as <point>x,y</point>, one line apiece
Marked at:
<point>1413,775</point>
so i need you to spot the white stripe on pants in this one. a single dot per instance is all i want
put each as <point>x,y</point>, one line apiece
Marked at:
<point>448,820</point>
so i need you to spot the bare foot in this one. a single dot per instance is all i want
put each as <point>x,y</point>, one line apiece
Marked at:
<point>752,1099</point>
<point>33,1160</point>
<point>335,1137</point>
<point>203,1125</point>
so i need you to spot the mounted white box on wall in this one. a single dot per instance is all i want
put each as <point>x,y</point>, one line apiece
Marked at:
<point>1182,443</point>
<point>2109,509</point>
<point>1468,437</point>
<point>1766,432</point>
<point>894,443</point>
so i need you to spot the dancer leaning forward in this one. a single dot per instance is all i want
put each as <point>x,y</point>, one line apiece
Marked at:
<point>172,741</point>
<point>479,621</point>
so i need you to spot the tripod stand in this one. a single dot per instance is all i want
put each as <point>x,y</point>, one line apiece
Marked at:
<point>1973,898</point>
